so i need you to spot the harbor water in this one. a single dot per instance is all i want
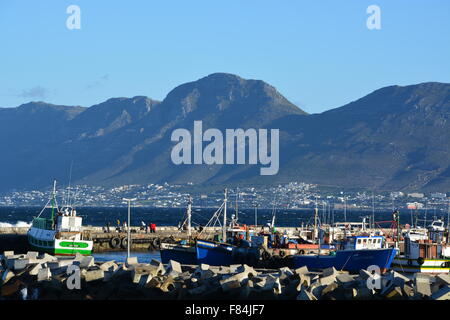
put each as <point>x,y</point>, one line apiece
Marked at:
<point>22,216</point>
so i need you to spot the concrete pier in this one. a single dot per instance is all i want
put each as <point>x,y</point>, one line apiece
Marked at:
<point>14,238</point>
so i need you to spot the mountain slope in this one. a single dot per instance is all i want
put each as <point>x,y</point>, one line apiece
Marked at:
<point>396,138</point>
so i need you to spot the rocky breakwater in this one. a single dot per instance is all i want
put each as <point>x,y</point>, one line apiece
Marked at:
<point>42,276</point>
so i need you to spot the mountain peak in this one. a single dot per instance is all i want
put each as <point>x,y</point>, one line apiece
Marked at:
<point>220,91</point>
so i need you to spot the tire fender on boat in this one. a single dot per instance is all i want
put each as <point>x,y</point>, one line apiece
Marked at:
<point>420,260</point>
<point>156,243</point>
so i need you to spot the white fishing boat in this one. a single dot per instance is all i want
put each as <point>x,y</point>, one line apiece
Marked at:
<point>431,255</point>
<point>61,233</point>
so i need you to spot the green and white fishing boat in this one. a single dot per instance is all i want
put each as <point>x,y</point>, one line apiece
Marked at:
<point>61,234</point>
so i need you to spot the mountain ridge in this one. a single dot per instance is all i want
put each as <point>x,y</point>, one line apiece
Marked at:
<point>396,137</point>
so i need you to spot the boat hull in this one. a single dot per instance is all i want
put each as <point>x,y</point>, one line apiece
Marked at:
<point>349,260</point>
<point>214,253</point>
<point>402,264</point>
<point>44,241</point>
<point>183,254</point>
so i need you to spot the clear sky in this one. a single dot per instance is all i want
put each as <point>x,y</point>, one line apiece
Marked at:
<point>318,53</point>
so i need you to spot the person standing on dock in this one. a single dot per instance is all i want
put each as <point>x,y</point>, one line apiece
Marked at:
<point>144,226</point>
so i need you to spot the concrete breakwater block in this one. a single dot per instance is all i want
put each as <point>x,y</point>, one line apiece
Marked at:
<point>17,264</point>
<point>304,294</point>
<point>144,268</point>
<point>44,274</point>
<point>84,261</point>
<point>45,257</point>
<point>131,261</point>
<point>109,266</point>
<point>7,254</point>
<point>32,255</point>
<point>301,270</point>
<point>7,275</point>
<point>442,294</point>
<point>113,280</point>
<point>93,275</point>
<point>423,285</point>
<point>173,268</point>
<point>35,269</point>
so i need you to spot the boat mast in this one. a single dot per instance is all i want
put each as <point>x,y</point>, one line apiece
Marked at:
<point>237,198</point>
<point>256,214</point>
<point>396,216</point>
<point>53,203</point>
<point>316,213</point>
<point>345,209</point>
<point>224,226</point>
<point>189,213</point>
<point>373,211</point>
<point>448,216</point>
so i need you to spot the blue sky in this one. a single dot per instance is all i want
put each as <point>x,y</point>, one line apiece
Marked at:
<point>318,53</point>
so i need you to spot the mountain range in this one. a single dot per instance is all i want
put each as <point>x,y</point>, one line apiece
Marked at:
<point>396,138</point>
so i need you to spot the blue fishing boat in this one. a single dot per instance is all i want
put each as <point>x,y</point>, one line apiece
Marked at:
<point>216,253</point>
<point>355,253</point>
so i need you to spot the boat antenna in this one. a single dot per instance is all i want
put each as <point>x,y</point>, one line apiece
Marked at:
<point>272,225</point>
<point>189,213</point>
<point>224,226</point>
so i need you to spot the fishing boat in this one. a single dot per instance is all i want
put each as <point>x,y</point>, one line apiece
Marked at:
<point>231,247</point>
<point>429,255</point>
<point>184,251</point>
<point>214,252</point>
<point>61,234</point>
<point>353,254</point>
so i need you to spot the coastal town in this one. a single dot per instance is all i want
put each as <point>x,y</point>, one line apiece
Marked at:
<point>293,195</point>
